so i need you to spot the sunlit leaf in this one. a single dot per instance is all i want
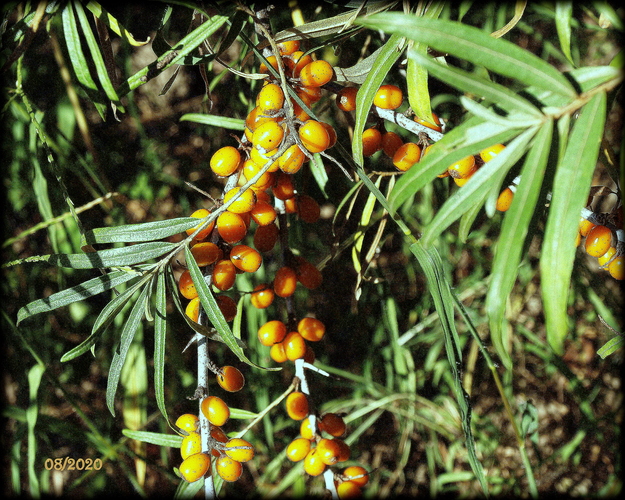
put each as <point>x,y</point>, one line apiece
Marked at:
<point>136,233</point>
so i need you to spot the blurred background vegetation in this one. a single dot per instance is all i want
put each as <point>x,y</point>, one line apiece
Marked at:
<point>385,347</point>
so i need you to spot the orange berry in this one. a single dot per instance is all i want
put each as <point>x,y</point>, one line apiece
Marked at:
<point>388,97</point>
<point>313,465</point>
<point>228,469</point>
<point>230,379</point>
<point>598,241</point>
<point>296,61</point>
<point>371,141</point>
<point>192,310</point>
<point>314,136</point>
<point>191,444</point>
<point>585,226</point>
<point>331,132</point>
<point>346,98</point>
<point>194,467</point>
<point>245,453</point>
<point>316,74</point>
<point>272,332</point>
<point>270,99</point>
<point>463,168</point>
<point>186,285</point>
<point>308,274</point>
<point>262,296</point>
<point>231,227</point>
<point>292,159</point>
<point>218,435</point>
<point>188,422</point>
<point>294,346</point>
<point>244,203</point>
<point>348,489</point>
<point>288,47</point>
<point>345,451</point>
<point>277,353</point>
<point>328,450</point>
<point>268,136</point>
<point>406,156</point>
<point>215,410</point>
<point>205,253</point>
<point>616,268</point>
<point>333,424</point>
<point>263,213</point>
<point>357,475</point>
<point>434,126</point>
<point>391,142</point>
<point>305,429</point>
<point>225,161</point>
<point>297,405</point>
<point>250,169</point>
<point>227,306</point>
<point>505,200</point>
<point>245,258</point>
<point>201,214</point>
<point>606,256</point>
<point>224,274</point>
<point>312,94</point>
<point>490,152</point>
<point>284,282</point>
<point>284,188</point>
<point>272,61</point>
<point>265,237</point>
<point>255,119</point>
<point>298,449</point>
<point>311,329</point>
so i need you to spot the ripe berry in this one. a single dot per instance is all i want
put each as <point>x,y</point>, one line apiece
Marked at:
<point>215,410</point>
<point>294,346</point>
<point>245,453</point>
<point>585,226</point>
<point>345,451</point>
<point>297,405</point>
<point>263,213</point>
<point>284,282</point>
<point>224,274</point>
<point>371,141</point>
<point>225,161</point>
<point>391,142</point>
<point>201,214</point>
<point>314,136</point>
<point>331,132</point>
<point>308,209</point>
<point>348,489</point>
<point>227,306</point>
<point>262,296</point>
<point>292,159</point>
<point>264,181</point>
<point>191,444</point>
<point>192,310</point>
<point>346,98</point>
<point>328,450</point>
<point>231,227</point>
<point>505,200</point>
<point>205,253</point>
<point>277,353</point>
<point>388,97</point>
<point>186,285</point>
<point>434,126</point>
<point>284,188</point>
<point>306,429</point>
<point>357,475</point>
<point>288,47</point>
<point>245,258</point>
<point>270,99</point>
<point>313,465</point>
<point>311,329</point>
<point>490,152</point>
<point>219,436</point>
<point>406,156</point>
<point>598,241</point>
<point>255,119</point>
<point>265,237</point>
<point>616,268</point>
<point>272,61</point>
<point>333,424</point>
<point>308,274</point>
<point>463,168</point>
<point>312,94</point>
<point>298,449</point>
<point>272,332</point>
<point>244,203</point>
<point>188,422</point>
<point>230,379</point>
<point>296,62</point>
<point>194,467</point>
<point>605,258</point>
<point>316,74</point>
<point>228,469</point>
<point>268,136</point>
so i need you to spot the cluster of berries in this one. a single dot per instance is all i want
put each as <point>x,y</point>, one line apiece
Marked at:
<point>228,454</point>
<point>599,243</point>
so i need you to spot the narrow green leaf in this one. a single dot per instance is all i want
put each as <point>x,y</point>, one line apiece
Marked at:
<point>318,171</point>
<point>160,343</point>
<point>611,346</point>
<point>157,438</point>
<point>76,293</point>
<point>466,221</point>
<point>136,233</point>
<point>563,16</point>
<point>570,190</point>
<point>215,121</point>
<point>512,237</point>
<point>34,380</point>
<point>128,332</point>
<point>74,48</point>
<point>473,45</point>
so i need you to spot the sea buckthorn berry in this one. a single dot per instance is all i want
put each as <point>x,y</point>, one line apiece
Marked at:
<point>313,465</point>
<point>616,268</point>
<point>391,142</point>
<point>227,306</point>
<point>292,159</point>
<point>245,258</point>
<point>250,169</point>
<point>357,475</point>
<point>605,258</point>
<point>585,226</point>
<point>215,410</point>
<point>308,274</point>
<point>230,379</point>
<point>228,469</point>
<point>218,435</point>
<point>311,329</point>
<point>188,422</point>
<point>290,205</point>
<point>231,227</point>
<point>285,281</point>
<point>244,453</point>
<point>296,62</point>
<point>462,168</point>
<point>388,97</point>
<point>331,132</point>
<point>461,182</point>
<point>333,424</point>
<point>348,489</point>
<point>434,126</point>
<point>578,239</point>
<point>263,213</point>
<point>298,449</point>
<point>186,285</point>
<point>306,429</point>
<point>288,47</point>
<point>261,159</point>
<point>256,118</point>
<point>201,214</point>
<point>192,310</point>
<point>490,152</point>
<point>316,74</point>
<point>268,136</point>
<point>314,136</point>
<point>328,450</point>
<point>284,188</point>
<point>313,94</point>
<point>205,253</point>
<point>308,209</point>
<point>309,355</point>
<point>244,203</point>
<point>346,98</point>
<point>406,156</point>
<point>277,353</point>
<point>294,346</point>
<point>598,241</point>
<point>345,451</point>
<point>194,467</point>
<point>262,296</point>
<point>191,444</point>
<point>265,237</point>
<point>272,332</point>
<point>371,141</point>
<point>272,61</point>
<point>505,200</point>
<point>225,161</point>
<point>297,405</point>
<point>270,99</point>
<point>224,274</point>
